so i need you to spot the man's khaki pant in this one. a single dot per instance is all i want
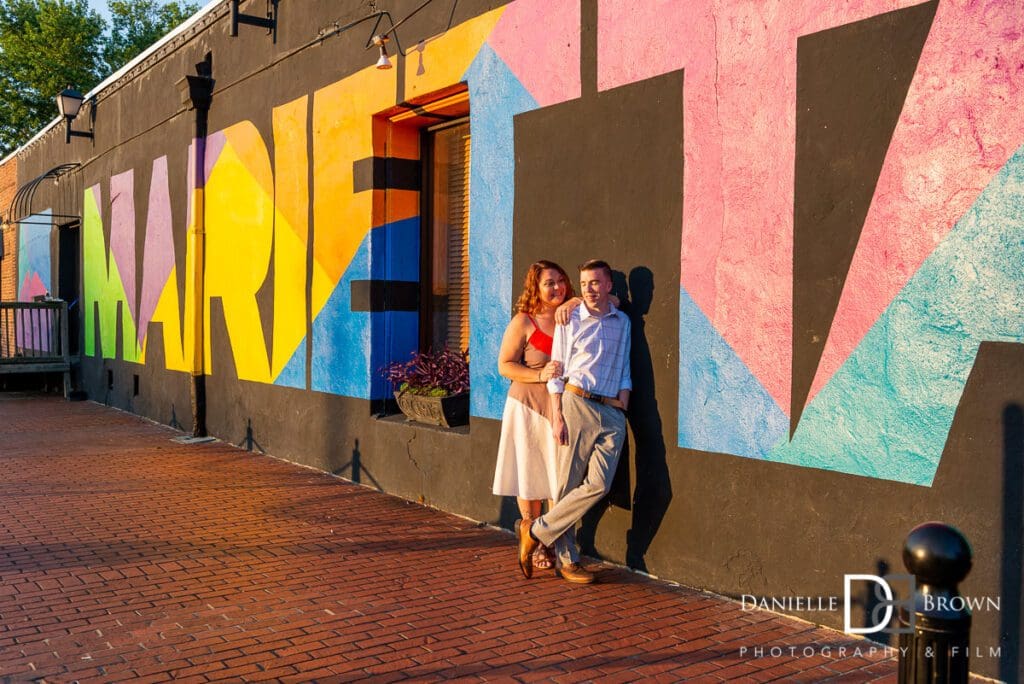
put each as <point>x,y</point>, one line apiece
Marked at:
<point>586,468</point>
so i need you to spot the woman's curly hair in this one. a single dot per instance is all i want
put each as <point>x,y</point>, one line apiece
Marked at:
<point>529,300</point>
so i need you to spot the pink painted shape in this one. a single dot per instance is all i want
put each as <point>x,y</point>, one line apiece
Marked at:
<point>122,232</point>
<point>158,257</point>
<point>739,128</point>
<point>214,145</point>
<point>961,122</point>
<point>31,334</point>
<point>190,177</point>
<point>31,286</point>
<point>210,150</point>
<point>539,41</point>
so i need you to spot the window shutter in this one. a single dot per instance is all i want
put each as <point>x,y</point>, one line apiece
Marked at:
<point>458,238</point>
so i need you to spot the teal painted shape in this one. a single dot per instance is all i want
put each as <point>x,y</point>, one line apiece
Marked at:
<point>887,412</point>
<point>495,95</point>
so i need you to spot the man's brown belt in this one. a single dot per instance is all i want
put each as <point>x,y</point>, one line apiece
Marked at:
<point>607,401</point>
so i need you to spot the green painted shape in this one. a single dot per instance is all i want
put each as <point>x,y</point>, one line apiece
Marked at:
<point>103,286</point>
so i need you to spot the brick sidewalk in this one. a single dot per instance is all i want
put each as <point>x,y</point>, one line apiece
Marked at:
<point>126,556</point>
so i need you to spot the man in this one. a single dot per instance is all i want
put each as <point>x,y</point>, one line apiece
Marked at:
<point>588,405</point>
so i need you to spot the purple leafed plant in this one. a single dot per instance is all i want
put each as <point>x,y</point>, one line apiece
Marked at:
<point>438,374</point>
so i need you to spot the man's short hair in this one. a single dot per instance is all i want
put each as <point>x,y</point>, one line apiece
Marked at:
<point>595,264</point>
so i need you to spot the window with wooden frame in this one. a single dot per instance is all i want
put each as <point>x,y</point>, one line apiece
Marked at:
<point>419,175</point>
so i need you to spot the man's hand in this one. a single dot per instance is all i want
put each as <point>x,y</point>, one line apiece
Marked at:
<point>552,370</point>
<point>559,429</point>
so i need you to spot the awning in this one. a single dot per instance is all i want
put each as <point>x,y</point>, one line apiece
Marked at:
<point>66,198</point>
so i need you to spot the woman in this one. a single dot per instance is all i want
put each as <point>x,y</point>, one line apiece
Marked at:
<point>526,466</point>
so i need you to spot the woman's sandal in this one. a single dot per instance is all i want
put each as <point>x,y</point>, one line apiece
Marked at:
<point>543,558</point>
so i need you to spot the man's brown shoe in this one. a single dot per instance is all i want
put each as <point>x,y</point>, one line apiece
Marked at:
<point>575,573</point>
<point>527,545</point>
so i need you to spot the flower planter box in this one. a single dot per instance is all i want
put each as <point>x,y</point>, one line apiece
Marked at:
<point>444,411</point>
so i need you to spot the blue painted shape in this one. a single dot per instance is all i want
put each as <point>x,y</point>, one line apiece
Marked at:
<point>495,96</point>
<point>294,372</point>
<point>34,249</point>
<point>722,406</point>
<point>399,330</point>
<point>395,250</point>
<point>343,358</point>
<point>341,337</point>
<point>888,410</point>
<point>394,255</point>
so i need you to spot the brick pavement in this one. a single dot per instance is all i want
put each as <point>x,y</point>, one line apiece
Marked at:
<point>126,556</point>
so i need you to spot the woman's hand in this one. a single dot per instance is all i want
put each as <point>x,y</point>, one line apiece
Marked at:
<point>563,312</point>
<point>553,369</point>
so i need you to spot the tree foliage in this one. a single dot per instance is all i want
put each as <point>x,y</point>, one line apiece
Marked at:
<point>46,45</point>
<point>137,24</point>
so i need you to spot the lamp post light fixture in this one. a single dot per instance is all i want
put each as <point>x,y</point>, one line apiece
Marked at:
<point>383,62</point>
<point>69,102</point>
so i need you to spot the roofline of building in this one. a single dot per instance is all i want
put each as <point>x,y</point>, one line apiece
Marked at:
<point>113,78</point>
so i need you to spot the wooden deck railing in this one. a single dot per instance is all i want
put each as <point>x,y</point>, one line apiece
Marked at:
<point>34,339</point>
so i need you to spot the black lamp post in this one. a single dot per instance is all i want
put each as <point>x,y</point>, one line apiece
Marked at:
<point>69,102</point>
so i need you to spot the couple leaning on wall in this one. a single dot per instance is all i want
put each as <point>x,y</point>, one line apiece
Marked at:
<point>564,422</point>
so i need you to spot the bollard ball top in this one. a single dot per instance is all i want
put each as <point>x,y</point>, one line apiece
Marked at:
<point>937,553</point>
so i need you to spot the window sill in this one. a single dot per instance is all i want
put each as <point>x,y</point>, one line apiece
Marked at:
<point>400,419</point>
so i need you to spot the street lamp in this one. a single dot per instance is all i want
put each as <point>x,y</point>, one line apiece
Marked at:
<point>69,102</point>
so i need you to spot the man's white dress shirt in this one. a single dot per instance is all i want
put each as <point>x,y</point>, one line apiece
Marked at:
<point>594,352</point>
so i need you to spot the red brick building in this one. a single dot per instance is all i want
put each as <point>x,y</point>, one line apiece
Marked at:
<point>9,263</point>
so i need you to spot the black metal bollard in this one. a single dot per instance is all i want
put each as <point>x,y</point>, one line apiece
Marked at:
<point>939,558</point>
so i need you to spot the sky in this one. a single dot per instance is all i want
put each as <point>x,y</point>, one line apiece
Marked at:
<point>101,7</point>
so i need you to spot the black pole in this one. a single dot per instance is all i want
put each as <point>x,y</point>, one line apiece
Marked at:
<point>936,652</point>
<point>197,94</point>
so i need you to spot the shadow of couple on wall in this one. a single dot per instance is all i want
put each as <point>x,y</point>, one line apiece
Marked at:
<point>653,491</point>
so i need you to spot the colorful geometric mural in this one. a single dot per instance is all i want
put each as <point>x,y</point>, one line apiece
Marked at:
<point>34,272</point>
<point>34,256</point>
<point>240,217</point>
<point>255,216</point>
<point>103,296</point>
<point>887,410</point>
<point>158,301</point>
<point>932,269</point>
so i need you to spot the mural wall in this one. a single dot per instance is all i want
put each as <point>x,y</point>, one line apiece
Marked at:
<point>869,383</point>
<point>256,217</point>
<point>818,326</point>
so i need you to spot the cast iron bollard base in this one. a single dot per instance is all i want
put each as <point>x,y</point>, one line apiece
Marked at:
<point>939,557</point>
